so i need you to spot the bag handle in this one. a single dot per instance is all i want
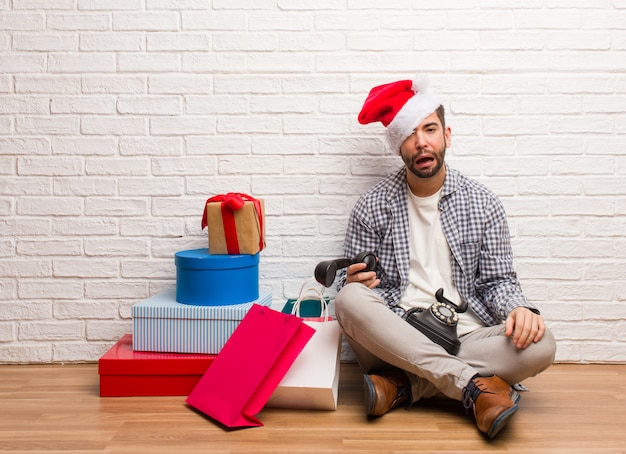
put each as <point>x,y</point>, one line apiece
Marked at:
<point>311,290</point>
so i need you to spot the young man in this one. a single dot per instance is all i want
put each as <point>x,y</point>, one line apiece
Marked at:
<point>432,228</point>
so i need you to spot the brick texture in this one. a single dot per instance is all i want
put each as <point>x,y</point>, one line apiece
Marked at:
<point>118,119</point>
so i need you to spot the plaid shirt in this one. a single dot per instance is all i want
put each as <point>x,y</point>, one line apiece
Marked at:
<point>474,224</point>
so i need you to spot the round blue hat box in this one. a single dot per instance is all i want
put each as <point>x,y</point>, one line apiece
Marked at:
<point>216,280</point>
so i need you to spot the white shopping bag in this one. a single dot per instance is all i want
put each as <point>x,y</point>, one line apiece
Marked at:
<point>312,382</point>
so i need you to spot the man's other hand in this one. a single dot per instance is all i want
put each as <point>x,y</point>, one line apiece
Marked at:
<point>524,326</point>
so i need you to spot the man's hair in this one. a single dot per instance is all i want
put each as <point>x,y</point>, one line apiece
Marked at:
<point>441,114</point>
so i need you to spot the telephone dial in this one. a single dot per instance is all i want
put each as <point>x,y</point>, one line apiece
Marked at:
<point>438,322</point>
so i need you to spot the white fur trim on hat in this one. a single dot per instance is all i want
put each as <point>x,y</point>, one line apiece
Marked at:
<point>418,107</point>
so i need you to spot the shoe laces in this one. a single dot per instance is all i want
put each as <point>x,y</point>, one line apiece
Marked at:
<point>470,394</point>
<point>404,392</point>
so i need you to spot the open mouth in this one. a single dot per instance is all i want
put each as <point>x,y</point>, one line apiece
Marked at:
<point>424,161</point>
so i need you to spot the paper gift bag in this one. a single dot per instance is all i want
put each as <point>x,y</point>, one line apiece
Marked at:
<point>309,303</point>
<point>312,382</point>
<point>249,367</point>
<point>236,224</point>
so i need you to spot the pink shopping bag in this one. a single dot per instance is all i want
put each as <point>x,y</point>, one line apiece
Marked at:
<point>312,381</point>
<point>249,367</point>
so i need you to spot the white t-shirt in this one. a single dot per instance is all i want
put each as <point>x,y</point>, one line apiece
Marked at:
<point>430,265</point>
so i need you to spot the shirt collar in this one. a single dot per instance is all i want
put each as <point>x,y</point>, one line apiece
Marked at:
<point>451,182</point>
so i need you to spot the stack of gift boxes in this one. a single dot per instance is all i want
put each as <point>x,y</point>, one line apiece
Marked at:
<point>178,333</point>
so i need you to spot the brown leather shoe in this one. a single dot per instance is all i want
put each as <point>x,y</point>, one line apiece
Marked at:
<point>384,391</point>
<point>493,401</point>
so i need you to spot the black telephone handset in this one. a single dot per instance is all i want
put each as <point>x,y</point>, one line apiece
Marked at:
<point>439,322</point>
<point>325,272</point>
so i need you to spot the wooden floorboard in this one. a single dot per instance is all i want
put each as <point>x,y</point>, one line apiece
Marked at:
<point>57,409</point>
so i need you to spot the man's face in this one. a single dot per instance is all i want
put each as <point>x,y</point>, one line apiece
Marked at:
<point>423,152</point>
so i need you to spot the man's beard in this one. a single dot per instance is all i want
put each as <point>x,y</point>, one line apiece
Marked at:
<point>438,156</point>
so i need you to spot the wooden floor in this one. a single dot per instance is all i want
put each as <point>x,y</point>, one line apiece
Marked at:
<point>47,409</point>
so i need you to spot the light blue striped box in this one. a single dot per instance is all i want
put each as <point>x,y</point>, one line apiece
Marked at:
<point>161,324</point>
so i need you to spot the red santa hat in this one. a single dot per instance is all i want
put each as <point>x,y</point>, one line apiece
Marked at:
<point>400,107</point>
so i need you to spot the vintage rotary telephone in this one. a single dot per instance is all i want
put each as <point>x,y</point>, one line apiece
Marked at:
<point>325,272</point>
<point>438,322</point>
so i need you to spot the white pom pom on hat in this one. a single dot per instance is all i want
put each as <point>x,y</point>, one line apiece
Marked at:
<point>400,107</point>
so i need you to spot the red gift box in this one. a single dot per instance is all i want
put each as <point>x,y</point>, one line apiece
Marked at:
<point>125,372</point>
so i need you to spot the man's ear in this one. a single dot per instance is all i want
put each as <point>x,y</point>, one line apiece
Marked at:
<point>448,136</point>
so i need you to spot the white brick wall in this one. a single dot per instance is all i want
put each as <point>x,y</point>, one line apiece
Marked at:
<point>119,118</point>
